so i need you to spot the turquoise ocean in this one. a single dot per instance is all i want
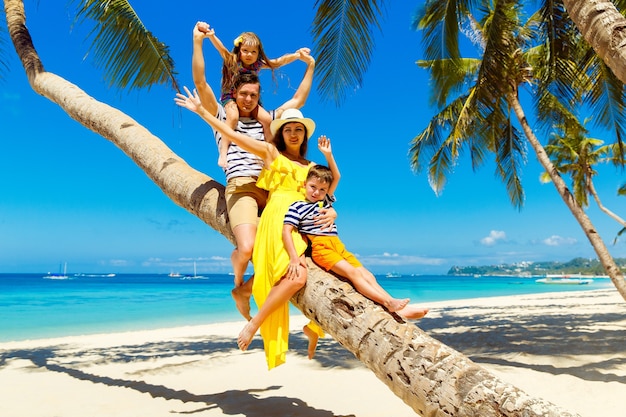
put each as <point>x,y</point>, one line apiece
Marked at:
<point>33,307</point>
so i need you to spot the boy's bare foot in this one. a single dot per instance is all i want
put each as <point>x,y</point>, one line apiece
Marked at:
<point>241,295</point>
<point>396,304</point>
<point>412,313</point>
<point>313,338</point>
<point>246,335</point>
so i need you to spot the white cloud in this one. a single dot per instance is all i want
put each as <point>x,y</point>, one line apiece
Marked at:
<point>494,237</point>
<point>119,262</point>
<point>555,240</point>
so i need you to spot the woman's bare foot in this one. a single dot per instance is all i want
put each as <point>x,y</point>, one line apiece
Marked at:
<point>412,313</point>
<point>246,335</point>
<point>396,304</point>
<point>241,295</point>
<point>313,337</point>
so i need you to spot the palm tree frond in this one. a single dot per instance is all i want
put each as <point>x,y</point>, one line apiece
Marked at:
<point>439,21</point>
<point>621,232</point>
<point>132,57</point>
<point>551,111</point>
<point>510,153</point>
<point>449,76</point>
<point>440,143</point>
<point>343,41</point>
<point>607,99</point>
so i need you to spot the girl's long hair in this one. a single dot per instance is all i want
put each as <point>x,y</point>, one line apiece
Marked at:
<point>230,69</point>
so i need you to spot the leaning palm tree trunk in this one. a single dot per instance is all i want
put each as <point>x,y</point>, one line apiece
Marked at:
<point>590,231</point>
<point>429,376</point>
<point>602,25</point>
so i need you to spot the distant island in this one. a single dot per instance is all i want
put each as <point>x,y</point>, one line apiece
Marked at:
<point>582,266</point>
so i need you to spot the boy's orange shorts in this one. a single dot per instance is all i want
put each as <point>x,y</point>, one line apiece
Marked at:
<point>326,251</point>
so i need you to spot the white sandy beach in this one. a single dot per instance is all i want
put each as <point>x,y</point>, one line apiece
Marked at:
<point>568,348</point>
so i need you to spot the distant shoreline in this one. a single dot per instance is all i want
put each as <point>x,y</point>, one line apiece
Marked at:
<point>590,276</point>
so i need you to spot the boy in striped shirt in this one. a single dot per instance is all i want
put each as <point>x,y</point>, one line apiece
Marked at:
<point>327,249</point>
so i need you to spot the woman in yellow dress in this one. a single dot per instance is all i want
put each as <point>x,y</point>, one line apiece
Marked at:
<point>283,175</point>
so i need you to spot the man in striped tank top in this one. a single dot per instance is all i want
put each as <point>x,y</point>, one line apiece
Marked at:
<point>244,200</point>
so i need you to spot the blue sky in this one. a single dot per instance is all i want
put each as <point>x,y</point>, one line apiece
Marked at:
<point>71,196</point>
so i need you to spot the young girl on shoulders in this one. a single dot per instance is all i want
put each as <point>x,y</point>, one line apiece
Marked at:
<point>247,56</point>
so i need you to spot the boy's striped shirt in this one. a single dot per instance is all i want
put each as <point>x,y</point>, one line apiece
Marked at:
<point>302,214</point>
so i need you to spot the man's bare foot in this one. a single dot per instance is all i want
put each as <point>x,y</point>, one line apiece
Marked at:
<point>246,335</point>
<point>313,337</point>
<point>396,304</point>
<point>241,295</point>
<point>412,313</point>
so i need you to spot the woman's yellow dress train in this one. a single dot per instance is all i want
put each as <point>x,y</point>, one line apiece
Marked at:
<point>284,180</point>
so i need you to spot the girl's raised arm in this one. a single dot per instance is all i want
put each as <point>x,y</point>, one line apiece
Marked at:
<point>288,58</point>
<point>217,43</point>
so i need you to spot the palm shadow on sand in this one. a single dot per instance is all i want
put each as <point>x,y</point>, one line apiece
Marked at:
<point>249,402</point>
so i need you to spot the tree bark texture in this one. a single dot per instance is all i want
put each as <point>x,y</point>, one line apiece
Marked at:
<point>603,26</point>
<point>429,376</point>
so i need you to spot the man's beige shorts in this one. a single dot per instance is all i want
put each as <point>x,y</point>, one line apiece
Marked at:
<point>244,201</point>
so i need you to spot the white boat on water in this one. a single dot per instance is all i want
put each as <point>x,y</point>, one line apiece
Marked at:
<point>60,275</point>
<point>393,275</point>
<point>195,274</point>
<point>565,280</point>
<point>95,275</point>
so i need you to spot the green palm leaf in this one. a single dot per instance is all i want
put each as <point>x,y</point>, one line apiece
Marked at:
<point>129,54</point>
<point>510,151</point>
<point>450,77</point>
<point>607,99</point>
<point>343,44</point>
<point>440,21</point>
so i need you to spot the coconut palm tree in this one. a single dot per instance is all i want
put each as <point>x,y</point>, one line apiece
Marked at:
<point>576,154</point>
<point>480,102</point>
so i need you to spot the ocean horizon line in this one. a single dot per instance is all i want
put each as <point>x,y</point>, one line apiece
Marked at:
<point>32,306</point>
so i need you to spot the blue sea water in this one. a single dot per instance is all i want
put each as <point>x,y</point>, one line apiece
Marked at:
<point>32,307</point>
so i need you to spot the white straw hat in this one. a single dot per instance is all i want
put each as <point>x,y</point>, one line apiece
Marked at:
<point>291,116</point>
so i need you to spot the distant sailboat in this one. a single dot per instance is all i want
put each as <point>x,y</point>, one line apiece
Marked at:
<point>195,274</point>
<point>60,275</point>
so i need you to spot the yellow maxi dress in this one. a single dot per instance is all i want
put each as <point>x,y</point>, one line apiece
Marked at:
<point>284,179</point>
